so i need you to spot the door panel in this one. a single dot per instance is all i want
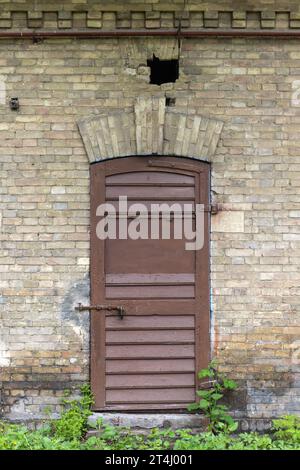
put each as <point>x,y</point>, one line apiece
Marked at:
<point>146,255</point>
<point>149,359</point>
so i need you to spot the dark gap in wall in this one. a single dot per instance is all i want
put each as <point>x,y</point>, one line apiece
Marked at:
<point>170,101</point>
<point>163,71</point>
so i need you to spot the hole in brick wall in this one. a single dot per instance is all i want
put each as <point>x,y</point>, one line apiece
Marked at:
<point>170,101</point>
<point>163,71</point>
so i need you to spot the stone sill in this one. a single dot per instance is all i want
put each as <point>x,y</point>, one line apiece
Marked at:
<point>151,420</point>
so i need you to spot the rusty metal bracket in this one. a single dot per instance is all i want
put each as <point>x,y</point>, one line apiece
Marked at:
<point>214,209</point>
<point>120,309</point>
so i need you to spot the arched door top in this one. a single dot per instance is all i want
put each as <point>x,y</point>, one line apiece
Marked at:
<point>149,128</point>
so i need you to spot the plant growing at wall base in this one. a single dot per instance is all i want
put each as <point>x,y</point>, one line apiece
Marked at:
<point>287,428</point>
<point>209,403</point>
<point>72,423</point>
<point>19,437</point>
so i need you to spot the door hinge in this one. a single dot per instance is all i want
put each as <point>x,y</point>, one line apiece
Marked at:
<point>214,209</point>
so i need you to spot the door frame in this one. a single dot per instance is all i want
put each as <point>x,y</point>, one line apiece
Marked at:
<point>98,171</point>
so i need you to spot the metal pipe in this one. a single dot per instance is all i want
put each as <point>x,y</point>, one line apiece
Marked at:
<point>183,33</point>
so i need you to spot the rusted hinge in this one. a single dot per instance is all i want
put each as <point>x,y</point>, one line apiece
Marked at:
<point>214,208</point>
<point>119,308</point>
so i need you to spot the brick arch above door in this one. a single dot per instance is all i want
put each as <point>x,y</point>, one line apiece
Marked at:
<point>149,127</point>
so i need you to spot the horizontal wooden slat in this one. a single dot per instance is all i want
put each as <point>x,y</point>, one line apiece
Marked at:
<point>162,395</point>
<point>146,292</point>
<point>136,278</point>
<point>140,351</point>
<point>149,365</point>
<point>150,380</point>
<point>178,407</point>
<point>151,321</point>
<point>185,204</point>
<point>149,177</point>
<point>142,192</point>
<point>150,307</point>
<point>150,336</point>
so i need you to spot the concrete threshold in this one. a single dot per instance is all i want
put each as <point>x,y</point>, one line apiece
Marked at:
<point>150,420</point>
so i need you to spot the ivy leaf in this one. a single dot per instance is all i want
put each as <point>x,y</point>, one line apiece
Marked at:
<point>203,393</point>
<point>204,373</point>
<point>229,384</point>
<point>233,427</point>
<point>193,407</point>
<point>204,404</point>
<point>217,396</point>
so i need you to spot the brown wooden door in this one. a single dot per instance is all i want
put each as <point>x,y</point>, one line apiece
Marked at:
<point>149,359</point>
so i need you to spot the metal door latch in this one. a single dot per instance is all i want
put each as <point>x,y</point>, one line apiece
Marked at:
<point>120,309</point>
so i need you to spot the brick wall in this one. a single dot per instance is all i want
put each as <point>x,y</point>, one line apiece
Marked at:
<point>153,14</point>
<point>44,194</point>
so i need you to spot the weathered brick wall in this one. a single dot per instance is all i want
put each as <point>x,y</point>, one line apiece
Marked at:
<point>44,193</point>
<point>152,14</point>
